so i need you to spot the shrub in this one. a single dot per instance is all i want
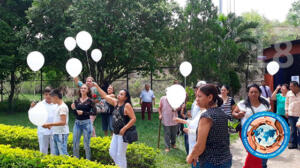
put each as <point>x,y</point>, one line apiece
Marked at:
<point>138,155</point>
<point>21,158</point>
<point>18,105</point>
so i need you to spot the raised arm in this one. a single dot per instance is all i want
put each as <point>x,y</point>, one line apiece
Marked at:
<point>273,97</point>
<point>109,99</point>
<point>130,113</point>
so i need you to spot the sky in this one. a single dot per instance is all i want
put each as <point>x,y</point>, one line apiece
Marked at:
<point>271,9</point>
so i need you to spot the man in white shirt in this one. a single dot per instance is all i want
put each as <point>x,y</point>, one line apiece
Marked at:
<point>45,135</point>
<point>146,99</point>
<point>265,90</point>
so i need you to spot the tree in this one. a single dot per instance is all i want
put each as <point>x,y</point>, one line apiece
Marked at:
<point>12,63</point>
<point>293,16</point>
<point>132,35</point>
<point>217,46</point>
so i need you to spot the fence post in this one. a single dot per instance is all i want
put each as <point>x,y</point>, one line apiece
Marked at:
<point>1,90</point>
<point>151,79</point>
<point>127,82</point>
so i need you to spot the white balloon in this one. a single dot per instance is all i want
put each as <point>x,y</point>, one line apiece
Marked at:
<point>84,40</point>
<point>74,67</point>
<point>176,95</point>
<point>185,68</point>
<point>70,43</point>
<point>38,115</point>
<point>273,67</point>
<point>96,55</point>
<point>35,60</point>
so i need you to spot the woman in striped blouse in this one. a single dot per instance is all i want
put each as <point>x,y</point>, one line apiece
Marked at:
<point>228,102</point>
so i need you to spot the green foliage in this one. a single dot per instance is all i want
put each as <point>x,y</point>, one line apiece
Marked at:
<point>19,105</point>
<point>20,158</point>
<point>293,16</point>
<point>191,97</point>
<point>138,155</point>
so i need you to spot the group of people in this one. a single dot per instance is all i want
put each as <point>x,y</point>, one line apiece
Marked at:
<point>55,132</point>
<point>205,126</point>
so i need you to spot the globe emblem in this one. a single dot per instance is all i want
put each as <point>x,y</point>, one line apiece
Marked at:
<point>265,135</point>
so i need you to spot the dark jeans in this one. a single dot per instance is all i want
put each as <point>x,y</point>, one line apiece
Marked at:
<point>147,105</point>
<point>295,132</point>
<point>170,135</point>
<point>224,165</point>
<point>186,143</point>
<point>106,122</point>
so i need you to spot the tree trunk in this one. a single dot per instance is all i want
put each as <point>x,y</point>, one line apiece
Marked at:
<point>12,90</point>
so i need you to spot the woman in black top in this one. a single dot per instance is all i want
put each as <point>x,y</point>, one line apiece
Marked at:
<point>83,108</point>
<point>124,110</point>
<point>212,147</point>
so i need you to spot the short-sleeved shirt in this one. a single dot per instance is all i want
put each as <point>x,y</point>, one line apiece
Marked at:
<point>61,110</point>
<point>217,149</point>
<point>168,114</point>
<point>95,93</point>
<point>147,96</point>
<point>261,108</point>
<point>51,108</point>
<point>194,109</point>
<point>280,109</point>
<point>227,106</point>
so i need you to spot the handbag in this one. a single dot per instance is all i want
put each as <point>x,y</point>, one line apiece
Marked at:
<point>102,107</point>
<point>130,135</point>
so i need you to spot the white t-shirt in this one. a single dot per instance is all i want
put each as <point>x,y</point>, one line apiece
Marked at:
<point>192,125</point>
<point>249,113</point>
<point>61,110</point>
<point>195,109</point>
<point>51,109</point>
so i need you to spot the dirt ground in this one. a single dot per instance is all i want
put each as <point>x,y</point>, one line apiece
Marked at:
<point>290,158</point>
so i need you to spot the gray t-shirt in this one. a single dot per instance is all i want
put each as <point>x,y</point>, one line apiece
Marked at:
<point>217,149</point>
<point>61,110</point>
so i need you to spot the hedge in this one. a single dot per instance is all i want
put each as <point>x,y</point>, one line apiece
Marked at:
<point>138,155</point>
<point>23,158</point>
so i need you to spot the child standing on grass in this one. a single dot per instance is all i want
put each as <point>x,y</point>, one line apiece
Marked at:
<point>59,126</point>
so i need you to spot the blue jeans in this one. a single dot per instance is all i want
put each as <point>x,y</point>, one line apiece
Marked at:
<point>224,165</point>
<point>85,127</point>
<point>295,132</point>
<point>60,144</point>
<point>197,165</point>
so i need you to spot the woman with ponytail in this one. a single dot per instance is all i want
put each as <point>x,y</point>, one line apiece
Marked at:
<point>254,103</point>
<point>212,147</point>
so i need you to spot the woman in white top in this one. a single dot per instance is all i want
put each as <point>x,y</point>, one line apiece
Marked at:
<point>254,103</point>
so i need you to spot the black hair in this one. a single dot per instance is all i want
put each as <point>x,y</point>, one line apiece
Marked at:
<point>210,89</point>
<point>56,92</point>
<point>227,88</point>
<point>295,83</point>
<point>48,89</point>
<point>286,85</point>
<point>260,99</point>
<point>127,94</point>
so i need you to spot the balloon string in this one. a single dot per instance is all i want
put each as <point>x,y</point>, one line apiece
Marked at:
<point>70,54</point>
<point>88,62</point>
<point>34,86</point>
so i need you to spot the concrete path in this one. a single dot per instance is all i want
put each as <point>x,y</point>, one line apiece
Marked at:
<point>290,158</point>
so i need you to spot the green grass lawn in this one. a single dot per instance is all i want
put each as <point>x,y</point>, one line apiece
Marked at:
<point>148,134</point>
